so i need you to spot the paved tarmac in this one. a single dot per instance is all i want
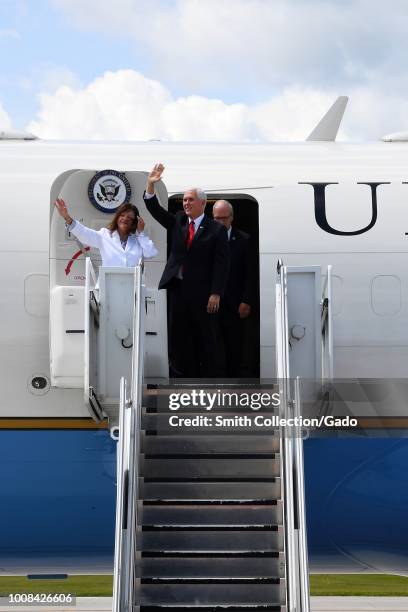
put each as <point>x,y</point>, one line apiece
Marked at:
<point>318,604</point>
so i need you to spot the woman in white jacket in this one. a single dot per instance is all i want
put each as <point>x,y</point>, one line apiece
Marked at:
<point>121,243</point>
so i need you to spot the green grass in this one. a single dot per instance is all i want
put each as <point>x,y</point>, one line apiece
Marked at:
<point>358,584</point>
<point>320,584</point>
<point>81,586</point>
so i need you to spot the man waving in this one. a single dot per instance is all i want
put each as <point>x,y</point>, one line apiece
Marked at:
<point>195,276</point>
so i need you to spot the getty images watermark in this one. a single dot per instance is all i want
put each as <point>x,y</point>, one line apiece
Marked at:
<point>212,400</point>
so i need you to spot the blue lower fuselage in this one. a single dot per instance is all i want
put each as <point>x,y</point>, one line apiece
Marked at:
<point>58,495</point>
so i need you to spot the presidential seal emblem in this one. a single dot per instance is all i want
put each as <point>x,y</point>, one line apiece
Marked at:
<point>109,189</point>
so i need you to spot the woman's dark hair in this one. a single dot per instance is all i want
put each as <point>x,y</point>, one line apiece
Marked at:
<point>123,208</point>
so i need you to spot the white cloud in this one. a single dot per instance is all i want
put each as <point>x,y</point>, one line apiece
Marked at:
<point>125,105</point>
<point>5,121</point>
<point>104,16</point>
<point>199,118</point>
<point>282,62</point>
<point>291,115</point>
<point>121,104</point>
<point>374,113</point>
<point>256,44</point>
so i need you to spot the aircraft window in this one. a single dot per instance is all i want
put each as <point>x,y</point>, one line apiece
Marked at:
<point>386,295</point>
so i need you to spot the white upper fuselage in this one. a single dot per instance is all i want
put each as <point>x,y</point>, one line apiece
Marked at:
<point>370,269</point>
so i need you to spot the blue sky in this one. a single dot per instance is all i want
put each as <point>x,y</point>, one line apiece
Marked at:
<point>213,69</point>
<point>38,43</point>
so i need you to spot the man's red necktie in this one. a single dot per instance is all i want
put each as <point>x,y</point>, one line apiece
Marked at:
<point>191,232</point>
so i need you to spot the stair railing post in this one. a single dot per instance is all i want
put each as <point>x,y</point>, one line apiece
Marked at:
<point>122,472</point>
<point>282,359</point>
<point>136,407</point>
<point>301,506</point>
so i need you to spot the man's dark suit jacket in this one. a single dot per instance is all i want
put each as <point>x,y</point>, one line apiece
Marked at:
<point>241,274</point>
<point>205,264</point>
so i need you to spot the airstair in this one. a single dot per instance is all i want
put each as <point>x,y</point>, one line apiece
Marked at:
<point>111,310</point>
<point>214,517</point>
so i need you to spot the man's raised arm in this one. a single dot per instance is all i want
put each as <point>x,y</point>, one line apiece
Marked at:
<point>163,216</point>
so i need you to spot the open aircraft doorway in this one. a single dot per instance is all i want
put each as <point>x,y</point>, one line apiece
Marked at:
<point>246,219</point>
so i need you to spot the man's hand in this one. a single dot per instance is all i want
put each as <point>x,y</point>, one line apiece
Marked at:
<point>213,303</point>
<point>244,310</point>
<point>154,177</point>
<point>62,209</point>
<point>140,225</point>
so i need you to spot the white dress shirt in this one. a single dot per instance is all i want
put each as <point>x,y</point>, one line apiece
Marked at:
<point>197,222</point>
<point>110,245</point>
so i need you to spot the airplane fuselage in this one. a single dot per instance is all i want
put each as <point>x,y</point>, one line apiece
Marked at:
<point>344,205</point>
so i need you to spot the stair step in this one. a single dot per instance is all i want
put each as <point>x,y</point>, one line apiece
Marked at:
<point>262,444</point>
<point>210,567</point>
<point>186,385</point>
<point>212,594</point>
<point>212,580</point>
<point>203,608</point>
<point>211,541</point>
<point>210,490</point>
<point>211,468</point>
<point>225,514</point>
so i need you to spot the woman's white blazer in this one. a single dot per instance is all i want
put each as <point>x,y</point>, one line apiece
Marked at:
<point>110,246</point>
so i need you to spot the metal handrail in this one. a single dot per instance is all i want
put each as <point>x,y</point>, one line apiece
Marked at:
<point>297,580</point>
<point>90,283</point>
<point>127,497</point>
<point>136,402</point>
<point>301,506</point>
<point>282,357</point>
<point>291,549</point>
<point>91,270</point>
<point>122,472</point>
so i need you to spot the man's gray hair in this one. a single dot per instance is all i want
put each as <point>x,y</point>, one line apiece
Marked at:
<point>201,195</point>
